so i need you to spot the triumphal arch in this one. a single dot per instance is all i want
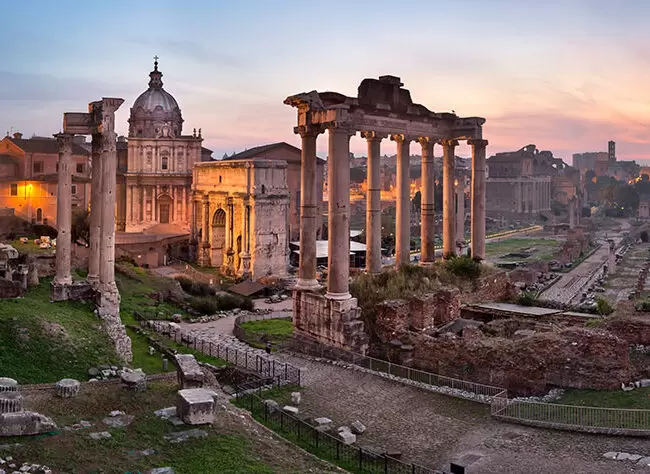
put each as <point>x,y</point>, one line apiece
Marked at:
<point>382,109</point>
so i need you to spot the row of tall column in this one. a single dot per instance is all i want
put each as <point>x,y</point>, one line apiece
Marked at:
<point>533,196</point>
<point>101,264</point>
<point>137,197</point>
<point>339,204</point>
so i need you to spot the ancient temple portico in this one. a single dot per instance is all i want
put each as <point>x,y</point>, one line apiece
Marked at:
<point>381,109</point>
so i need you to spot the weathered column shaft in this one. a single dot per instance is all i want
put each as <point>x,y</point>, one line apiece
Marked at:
<point>129,204</point>
<point>107,245</point>
<point>338,177</point>
<point>403,214</point>
<point>373,204</point>
<point>427,206</point>
<point>95,209</point>
<point>448,208</point>
<point>204,252</point>
<point>194,224</point>
<point>478,197</point>
<point>460,211</point>
<point>64,210</point>
<point>308,210</point>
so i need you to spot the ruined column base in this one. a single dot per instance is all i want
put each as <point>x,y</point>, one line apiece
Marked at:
<point>75,291</point>
<point>108,309</point>
<point>326,322</point>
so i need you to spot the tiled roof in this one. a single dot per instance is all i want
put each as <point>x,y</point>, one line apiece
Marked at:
<point>44,145</point>
<point>260,151</point>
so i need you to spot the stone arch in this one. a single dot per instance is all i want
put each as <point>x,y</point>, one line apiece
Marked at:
<point>218,234</point>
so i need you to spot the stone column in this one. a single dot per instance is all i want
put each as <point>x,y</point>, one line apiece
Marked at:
<point>154,208</point>
<point>245,255</point>
<point>183,211</point>
<point>478,198</point>
<point>64,212</point>
<point>194,224</point>
<point>460,209</point>
<point>338,246</point>
<point>427,207</point>
<point>308,209</point>
<point>204,258</point>
<point>129,204</point>
<point>373,204</point>
<point>403,214</point>
<point>448,211</point>
<point>95,210</point>
<point>109,171</point>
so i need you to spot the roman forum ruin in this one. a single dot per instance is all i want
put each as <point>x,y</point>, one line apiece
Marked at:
<point>100,123</point>
<point>381,109</point>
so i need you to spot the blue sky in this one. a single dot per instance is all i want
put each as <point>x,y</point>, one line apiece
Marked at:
<point>566,75</point>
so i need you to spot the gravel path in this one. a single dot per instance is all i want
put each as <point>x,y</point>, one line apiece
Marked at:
<point>432,429</point>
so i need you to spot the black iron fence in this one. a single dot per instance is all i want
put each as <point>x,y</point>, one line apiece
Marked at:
<point>353,458</point>
<point>265,366</point>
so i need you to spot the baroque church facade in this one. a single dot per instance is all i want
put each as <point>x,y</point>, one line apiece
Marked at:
<point>157,182</point>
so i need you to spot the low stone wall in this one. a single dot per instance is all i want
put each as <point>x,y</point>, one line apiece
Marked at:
<point>572,358</point>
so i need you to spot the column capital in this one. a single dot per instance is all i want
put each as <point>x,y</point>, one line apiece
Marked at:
<point>64,140</point>
<point>448,142</point>
<point>400,138</point>
<point>479,142</point>
<point>309,130</point>
<point>371,135</point>
<point>343,129</point>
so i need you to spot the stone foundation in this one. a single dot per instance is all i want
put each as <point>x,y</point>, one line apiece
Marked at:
<point>333,323</point>
<point>77,291</point>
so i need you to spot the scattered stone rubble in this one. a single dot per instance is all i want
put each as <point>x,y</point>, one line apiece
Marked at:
<point>195,406</point>
<point>635,458</point>
<point>8,462</point>
<point>14,421</point>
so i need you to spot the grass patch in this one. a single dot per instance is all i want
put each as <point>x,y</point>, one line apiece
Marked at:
<point>639,398</point>
<point>44,342</point>
<point>543,248</point>
<point>226,449</point>
<point>277,331</point>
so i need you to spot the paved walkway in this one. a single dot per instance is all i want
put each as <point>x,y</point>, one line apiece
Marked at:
<point>569,288</point>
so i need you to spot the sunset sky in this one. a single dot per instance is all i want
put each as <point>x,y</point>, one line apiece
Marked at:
<point>565,75</point>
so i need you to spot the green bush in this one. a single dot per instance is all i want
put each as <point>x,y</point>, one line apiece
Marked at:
<point>211,304</point>
<point>603,307</point>
<point>195,288</point>
<point>526,299</point>
<point>205,304</point>
<point>463,266</point>
<point>643,305</point>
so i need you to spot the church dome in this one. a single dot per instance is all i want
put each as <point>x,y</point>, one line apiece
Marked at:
<point>155,113</point>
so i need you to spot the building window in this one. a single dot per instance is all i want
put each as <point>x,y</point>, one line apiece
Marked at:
<point>38,167</point>
<point>14,189</point>
<point>57,167</point>
<point>39,214</point>
<point>75,205</point>
<point>164,162</point>
<point>74,189</point>
<point>80,168</point>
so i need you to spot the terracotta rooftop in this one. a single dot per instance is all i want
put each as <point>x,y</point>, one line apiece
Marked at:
<point>44,145</point>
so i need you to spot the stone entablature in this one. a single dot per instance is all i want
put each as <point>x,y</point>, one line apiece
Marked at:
<point>241,209</point>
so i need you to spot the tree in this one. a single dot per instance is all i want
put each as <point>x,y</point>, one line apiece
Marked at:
<point>417,200</point>
<point>81,227</point>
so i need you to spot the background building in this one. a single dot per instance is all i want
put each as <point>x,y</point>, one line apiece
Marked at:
<point>158,178</point>
<point>29,177</point>
<point>289,153</point>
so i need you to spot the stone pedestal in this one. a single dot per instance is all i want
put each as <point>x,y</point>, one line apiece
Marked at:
<point>323,320</point>
<point>67,388</point>
<point>195,406</point>
<point>11,402</point>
